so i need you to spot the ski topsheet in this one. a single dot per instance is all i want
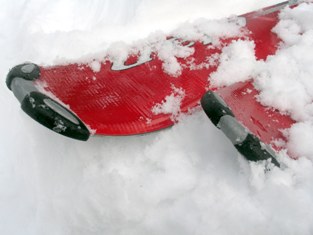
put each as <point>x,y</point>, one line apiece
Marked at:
<point>146,89</point>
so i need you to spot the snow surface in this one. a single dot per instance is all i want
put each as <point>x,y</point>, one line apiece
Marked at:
<point>184,180</point>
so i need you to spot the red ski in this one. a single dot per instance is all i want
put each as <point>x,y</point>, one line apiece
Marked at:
<point>127,98</point>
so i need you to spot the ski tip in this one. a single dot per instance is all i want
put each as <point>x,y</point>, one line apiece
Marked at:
<point>247,144</point>
<point>40,107</point>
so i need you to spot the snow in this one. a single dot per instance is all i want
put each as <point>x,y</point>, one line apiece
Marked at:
<point>178,45</point>
<point>236,63</point>
<point>300,139</point>
<point>95,66</point>
<point>290,68</point>
<point>171,104</point>
<point>168,52</point>
<point>184,180</point>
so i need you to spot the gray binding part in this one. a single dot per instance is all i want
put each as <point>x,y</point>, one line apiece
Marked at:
<point>235,132</point>
<point>249,145</point>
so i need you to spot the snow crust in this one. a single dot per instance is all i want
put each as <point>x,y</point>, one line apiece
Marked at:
<point>184,180</point>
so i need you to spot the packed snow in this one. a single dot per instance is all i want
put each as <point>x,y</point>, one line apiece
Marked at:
<point>184,180</point>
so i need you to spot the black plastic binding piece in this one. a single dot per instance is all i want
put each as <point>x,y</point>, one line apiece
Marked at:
<point>27,71</point>
<point>215,107</point>
<point>54,116</point>
<point>249,145</point>
<point>42,108</point>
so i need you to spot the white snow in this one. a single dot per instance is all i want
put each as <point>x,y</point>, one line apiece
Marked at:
<point>300,139</point>
<point>286,81</point>
<point>178,45</point>
<point>183,180</point>
<point>236,63</point>
<point>168,52</point>
<point>171,104</point>
<point>95,66</point>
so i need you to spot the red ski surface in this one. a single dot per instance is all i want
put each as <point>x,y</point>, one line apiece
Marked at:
<point>121,102</point>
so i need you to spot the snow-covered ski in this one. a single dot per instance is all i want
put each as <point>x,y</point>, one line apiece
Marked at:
<point>132,94</point>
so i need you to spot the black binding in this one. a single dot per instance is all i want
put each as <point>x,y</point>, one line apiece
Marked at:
<point>249,145</point>
<point>42,108</point>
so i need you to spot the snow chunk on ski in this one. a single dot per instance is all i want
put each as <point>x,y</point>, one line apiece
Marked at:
<point>171,104</point>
